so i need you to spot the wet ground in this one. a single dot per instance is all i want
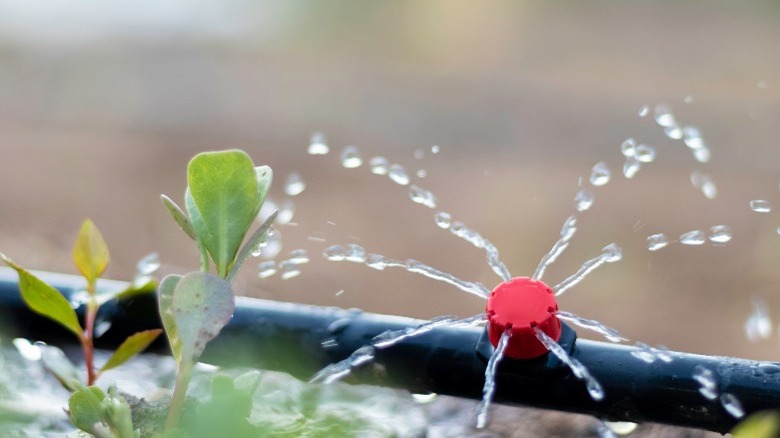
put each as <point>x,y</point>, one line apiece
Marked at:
<point>98,119</point>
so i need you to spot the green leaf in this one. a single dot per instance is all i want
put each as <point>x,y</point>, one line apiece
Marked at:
<point>117,415</point>
<point>130,347</point>
<point>202,304</point>
<point>86,408</point>
<point>764,424</point>
<point>165,304</point>
<point>179,216</point>
<point>90,252</point>
<point>251,245</point>
<point>202,234</point>
<point>224,186</point>
<point>44,299</point>
<point>58,365</point>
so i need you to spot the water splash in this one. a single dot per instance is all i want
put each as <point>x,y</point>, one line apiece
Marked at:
<point>286,212</point>
<point>600,174</point>
<point>664,116</point>
<point>628,147</point>
<point>608,332</point>
<point>758,325</point>
<point>317,145</point>
<point>594,388</point>
<point>380,262</point>
<point>583,200</point>
<point>732,405</point>
<point>435,149</point>
<point>694,237</point>
<point>567,233</point>
<point>294,184</point>
<point>392,337</point>
<point>421,196</point>
<point>459,229</point>
<point>490,379</point>
<point>648,354</point>
<point>272,245</point>
<point>379,165</point>
<point>288,270</point>
<point>298,257</point>
<point>704,183</point>
<point>334,372</point>
<point>266,269</point>
<point>609,254</point>
<point>149,264</point>
<point>760,206</point>
<point>657,241</point>
<point>350,157</point>
<point>644,153</point>
<point>644,110</point>
<point>708,384</point>
<point>398,175</point>
<point>631,167</point>
<point>720,234</point>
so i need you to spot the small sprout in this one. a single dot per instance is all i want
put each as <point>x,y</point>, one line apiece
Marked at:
<point>130,347</point>
<point>90,253</point>
<point>101,415</point>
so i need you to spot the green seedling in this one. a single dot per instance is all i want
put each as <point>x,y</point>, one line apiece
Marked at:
<point>101,414</point>
<point>223,197</point>
<point>91,256</point>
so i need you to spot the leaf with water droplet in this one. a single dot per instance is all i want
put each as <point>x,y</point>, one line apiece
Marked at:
<point>130,347</point>
<point>45,300</point>
<point>90,252</point>
<point>179,216</point>
<point>202,304</point>
<point>225,188</point>
<point>254,241</point>
<point>165,304</point>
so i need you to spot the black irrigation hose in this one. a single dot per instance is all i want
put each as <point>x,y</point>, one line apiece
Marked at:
<point>289,337</point>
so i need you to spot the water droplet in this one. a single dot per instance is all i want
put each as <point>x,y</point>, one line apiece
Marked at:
<point>335,253</point>
<point>317,146</point>
<point>148,264</point>
<point>720,234</point>
<point>27,350</point>
<point>355,253</point>
<point>708,385</point>
<point>645,153</point>
<point>758,326</point>
<point>444,219</point>
<point>692,137</point>
<point>611,253</point>
<point>644,110</point>
<point>631,167</point>
<point>760,206</point>
<point>272,245</point>
<point>286,212</point>
<point>628,147</point>
<point>674,132</point>
<point>101,327</point>
<point>422,173</point>
<point>732,405</point>
<point>664,116</point>
<point>704,183</point>
<point>339,292</point>
<point>583,200</point>
<point>378,165</point>
<point>644,353</point>
<point>435,149</point>
<point>600,174</point>
<point>688,99</point>
<point>294,185</point>
<point>288,270</point>
<point>298,257</point>
<point>695,237</point>
<point>657,241</point>
<point>769,368</point>
<point>621,427</point>
<point>339,325</point>
<point>350,157</point>
<point>397,173</point>
<point>419,154</point>
<point>425,399</point>
<point>702,154</point>
<point>422,196</point>
<point>266,269</point>
<point>79,299</point>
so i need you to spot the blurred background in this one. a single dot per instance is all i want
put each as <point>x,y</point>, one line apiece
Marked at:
<point>102,105</point>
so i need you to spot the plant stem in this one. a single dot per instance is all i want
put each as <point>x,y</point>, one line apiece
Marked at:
<point>179,392</point>
<point>87,340</point>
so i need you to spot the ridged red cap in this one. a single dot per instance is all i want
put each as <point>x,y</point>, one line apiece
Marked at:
<point>522,303</point>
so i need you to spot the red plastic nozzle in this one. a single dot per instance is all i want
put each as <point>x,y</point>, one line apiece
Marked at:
<point>522,303</point>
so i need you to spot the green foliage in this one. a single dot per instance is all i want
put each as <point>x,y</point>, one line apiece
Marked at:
<point>45,300</point>
<point>130,347</point>
<point>101,415</point>
<point>224,194</point>
<point>764,424</point>
<point>91,256</point>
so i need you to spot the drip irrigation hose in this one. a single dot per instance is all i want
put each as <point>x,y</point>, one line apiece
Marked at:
<point>289,337</point>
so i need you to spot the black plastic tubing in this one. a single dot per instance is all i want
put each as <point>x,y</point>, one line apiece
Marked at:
<point>302,339</point>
